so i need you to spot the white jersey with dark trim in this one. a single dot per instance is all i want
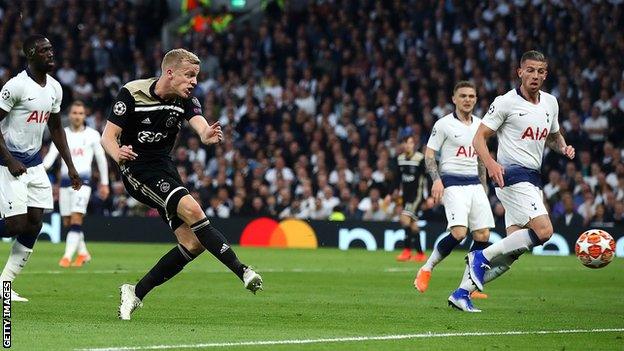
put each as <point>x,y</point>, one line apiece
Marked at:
<point>453,139</point>
<point>29,106</point>
<point>83,145</point>
<point>522,127</point>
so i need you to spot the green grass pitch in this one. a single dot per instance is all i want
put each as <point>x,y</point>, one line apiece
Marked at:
<point>313,294</point>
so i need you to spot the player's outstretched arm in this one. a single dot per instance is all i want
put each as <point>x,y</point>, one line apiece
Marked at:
<point>437,189</point>
<point>556,142</point>
<point>16,168</point>
<point>109,143</point>
<point>479,142</point>
<point>57,133</point>
<point>208,133</point>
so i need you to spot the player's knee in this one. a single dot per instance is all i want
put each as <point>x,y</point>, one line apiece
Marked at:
<point>459,232</point>
<point>544,230</point>
<point>189,210</point>
<point>481,235</point>
<point>405,220</point>
<point>195,247</point>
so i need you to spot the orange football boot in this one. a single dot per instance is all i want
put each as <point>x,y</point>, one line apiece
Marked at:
<point>478,295</point>
<point>421,283</point>
<point>65,262</point>
<point>405,255</point>
<point>81,260</point>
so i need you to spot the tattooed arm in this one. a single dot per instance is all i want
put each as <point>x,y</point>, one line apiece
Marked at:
<point>557,143</point>
<point>437,189</point>
<point>482,174</point>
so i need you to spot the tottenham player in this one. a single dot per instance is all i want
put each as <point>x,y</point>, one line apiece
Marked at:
<point>84,143</point>
<point>146,118</point>
<point>524,120</point>
<point>28,102</point>
<point>412,177</point>
<point>460,182</point>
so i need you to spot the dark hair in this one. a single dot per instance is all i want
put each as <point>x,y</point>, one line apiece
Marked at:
<point>533,55</point>
<point>464,84</point>
<point>29,44</point>
<point>406,137</point>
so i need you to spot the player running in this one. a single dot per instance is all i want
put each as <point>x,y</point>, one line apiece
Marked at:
<point>460,183</point>
<point>84,143</point>
<point>525,120</point>
<point>28,102</point>
<point>145,118</point>
<point>412,172</point>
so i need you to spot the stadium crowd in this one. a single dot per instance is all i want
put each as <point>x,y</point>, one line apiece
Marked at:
<point>315,102</point>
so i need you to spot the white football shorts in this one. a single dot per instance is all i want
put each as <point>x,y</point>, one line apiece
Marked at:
<point>468,206</point>
<point>31,189</point>
<point>74,201</point>
<point>522,202</point>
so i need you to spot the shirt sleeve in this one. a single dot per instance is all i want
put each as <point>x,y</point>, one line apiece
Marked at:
<point>10,94</point>
<point>123,106</point>
<point>58,98</point>
<point>554,126</point>
<point>192,108</point>
<point>437,137</point>
<point>495,116</point>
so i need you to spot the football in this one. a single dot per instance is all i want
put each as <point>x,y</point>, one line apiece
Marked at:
<point>595,248</point>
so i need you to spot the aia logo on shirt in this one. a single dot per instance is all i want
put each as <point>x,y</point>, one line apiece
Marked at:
<point>466,152</point>
<point>38,117</point>
<point>535,133</point>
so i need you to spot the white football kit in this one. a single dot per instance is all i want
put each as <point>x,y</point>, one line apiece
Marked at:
<point>522,128</point>
<point>83,145</point>
<point>29,106</point>
<point>465,201</point>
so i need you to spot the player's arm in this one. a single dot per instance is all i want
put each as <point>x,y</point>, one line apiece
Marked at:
<point>50,157</point>
<point>482,171</point>
<point>437,189</point>
<point>479,142</point>
<point>57,133</point>
<point>208,133</point>
<point>109,142</point>
<point>102,164</point>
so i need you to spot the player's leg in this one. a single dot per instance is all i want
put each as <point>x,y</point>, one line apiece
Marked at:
<point>535,217</point>
<point>26,229</point>
<point>72,238</point>
<point>440,251</point>
<point>406,219</point>
<point>78,211</point>
<point>211,238</point>
<point>166,268</point>
<point>420,255</point>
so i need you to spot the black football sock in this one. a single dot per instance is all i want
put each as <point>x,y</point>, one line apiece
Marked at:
<point>166,268</point>
<point>479,245</point>
<point>416,240</point>
<point>215,242</point>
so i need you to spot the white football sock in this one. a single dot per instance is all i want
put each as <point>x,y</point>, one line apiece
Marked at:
<point>433,260</point>
<point>517,243</point>
<point>71,244</point>
<point>16,262</point>
<point>500,265</point>
<point>82,247</point>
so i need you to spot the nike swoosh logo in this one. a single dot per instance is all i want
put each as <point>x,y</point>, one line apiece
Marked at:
<point>30,99</point>
<point>458,135</point>
<point>522,114</point>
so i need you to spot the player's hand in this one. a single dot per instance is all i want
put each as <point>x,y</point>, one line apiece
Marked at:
<point>213,134</point>
<point>103,191</point>
<point>437,190</point>
<point>496,171</point>
<point>126,154</point>
<point>568,151</point>
<point>16,168</point>
<point>76,182</point>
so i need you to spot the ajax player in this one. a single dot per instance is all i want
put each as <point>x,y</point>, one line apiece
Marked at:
<point>460,183</point>
<point>28,102</point>
<point>524,120</point>
<point>84,143</point>
<point>412,177</point>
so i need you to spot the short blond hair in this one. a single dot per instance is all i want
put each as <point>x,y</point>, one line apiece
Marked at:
<point>175,57</point>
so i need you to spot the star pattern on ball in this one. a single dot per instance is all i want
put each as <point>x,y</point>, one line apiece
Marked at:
<point>604,243</point>
<point>584,246</point>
